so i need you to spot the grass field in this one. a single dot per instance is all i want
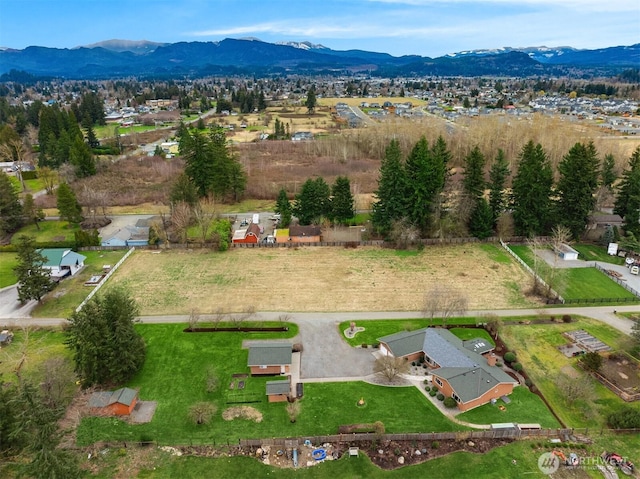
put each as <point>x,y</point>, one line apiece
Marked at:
<point>524,408</point>
<point>591,252</point>
<point>574,283</point>
<point>323,279</point>
<point>70,292</point>
<point>49,231</point>
<point>536,348</point>
<point>174,375</point>
<point>7,263</point>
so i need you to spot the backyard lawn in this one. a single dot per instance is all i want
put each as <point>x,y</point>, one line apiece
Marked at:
<point>592,252</point>
<point>175,372</point>
<point>49,231</point>
<point>7,262</point>
<point>536,348</point>
<point>574,283</point>
<point>524,408</point>
<point>70,292</point>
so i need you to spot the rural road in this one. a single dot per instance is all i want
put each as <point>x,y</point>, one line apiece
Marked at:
<point>332,319</point>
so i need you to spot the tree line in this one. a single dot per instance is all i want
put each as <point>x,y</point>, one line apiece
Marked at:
<point>419,191</point>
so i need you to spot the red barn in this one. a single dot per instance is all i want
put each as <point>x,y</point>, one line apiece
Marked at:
<point>249,235</point>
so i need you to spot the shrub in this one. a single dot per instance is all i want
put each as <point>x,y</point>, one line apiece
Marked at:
<point>624,418</point>
<point>435,445</point>
<point>449,402</point>
<point>509,357</point>
<point>528,382</point>
<point>202,412</point>
<point>566,318</point>
<point>427,388</point>
<point>426,381</point>
<point>413,363</point>
<point>517,367</point>
<point>365,345</point>
<point>440,397</point>
<point>433,392</point>
<point>499,364</point>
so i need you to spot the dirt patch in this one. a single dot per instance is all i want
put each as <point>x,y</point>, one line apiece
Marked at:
<point>242,412</point>
<point>324,279</point>
<point>623,371</point>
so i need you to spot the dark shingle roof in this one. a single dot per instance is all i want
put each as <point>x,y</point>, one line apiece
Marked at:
<point>278,387</point>
<point>405,342</point>
<point>471,383</point>
<point>274,354</point>
<point>304,230</point>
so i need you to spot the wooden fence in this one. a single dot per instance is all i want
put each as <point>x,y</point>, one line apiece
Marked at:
<point>619,281</point>
<point>104,280</point>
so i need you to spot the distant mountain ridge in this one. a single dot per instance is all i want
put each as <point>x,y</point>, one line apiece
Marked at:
<point>118,58</point>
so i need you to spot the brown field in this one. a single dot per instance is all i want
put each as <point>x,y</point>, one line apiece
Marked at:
<point>317,279</point>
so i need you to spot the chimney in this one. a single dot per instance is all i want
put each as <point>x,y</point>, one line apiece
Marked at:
<point>491,359</point>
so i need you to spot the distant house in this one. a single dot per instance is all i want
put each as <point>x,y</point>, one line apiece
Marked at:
<point>304,234</point>
<point>250,234</point>
<point>302,136</point>
<point>128,236</point>
<point>463,370</point>
<point>278,391</point>
<point>62,262</point>
<point>270,359</point>
<point>120,402</point>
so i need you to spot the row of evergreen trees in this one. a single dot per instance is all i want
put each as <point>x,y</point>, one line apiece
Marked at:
<point>418,191</point>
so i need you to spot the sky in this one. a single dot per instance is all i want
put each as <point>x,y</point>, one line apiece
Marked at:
<point>399,27</point>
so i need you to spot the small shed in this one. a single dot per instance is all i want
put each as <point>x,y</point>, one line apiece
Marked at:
<point>278,391</point>
<point>567,253</point>
<point>117,403</point>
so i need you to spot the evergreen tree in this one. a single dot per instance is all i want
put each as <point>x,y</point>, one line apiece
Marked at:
<point>81,157</point>
<point>90,135</point>
<point>312,203</point>
<point>391,204</point>
<point>342,208</point>
<point>106,348</point>
<point>531,191</point>
<point>576,187</point>
<point>473,183</point>
<point>497,182</point>
<point>627,203</point>
<point>183,191</point>
<point>310,102</point>
<point>481,220</point>
<point>283,208</point>
<point>608,173</point>
<point>422,184</point>
<point>31,212</point>
<point>33,280</point>
<point>68,206</point>
<point>10,208</point>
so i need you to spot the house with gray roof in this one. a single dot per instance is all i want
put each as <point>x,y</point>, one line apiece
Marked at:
<point>270,359</point>
<point>278,391</point>
<point>128,236</point>
<point>463,370</point>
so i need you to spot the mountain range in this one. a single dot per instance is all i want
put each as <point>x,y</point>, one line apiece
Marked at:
<point>121,58</point>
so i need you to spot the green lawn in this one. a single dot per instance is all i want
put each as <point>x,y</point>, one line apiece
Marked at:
<point>38,345</point>
<point>49,231</point>
<point>472,333</point>
<point>174,375</point>
<point>536,348</point>
<point>525,407</point>
<point>7,263</point>
<point>592,252</point>
<point>70,292</point>
<point>575,283</point>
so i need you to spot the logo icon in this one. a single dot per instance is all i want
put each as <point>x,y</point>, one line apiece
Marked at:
<point>548,463</point>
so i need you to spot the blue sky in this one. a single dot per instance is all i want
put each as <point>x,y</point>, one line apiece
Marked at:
<point>399,27</point>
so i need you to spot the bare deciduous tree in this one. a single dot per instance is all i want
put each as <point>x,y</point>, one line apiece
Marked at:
<point>218,317</point>
<point>559,237</point>
<point>390,367</point>
<point>204,215</point>
<point>58,382</point>
<point>293,410</point>
<point>535,244</point>
<point>443,301</point>
<point>181,220</point>
<point>505,226</point>
<point>575,389</point>
<point>404,234</point>
<point>493,325</point>
<point>238,318</point>
<point>49,178</point>
<point>194,319</point>
<point>202,412</point>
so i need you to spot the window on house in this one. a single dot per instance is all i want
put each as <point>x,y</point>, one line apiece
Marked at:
<point>438,382</point>
<point>263,367</point>
<point>455,396</point>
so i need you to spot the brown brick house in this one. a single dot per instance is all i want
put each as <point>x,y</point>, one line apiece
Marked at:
<point>463,370</point>
<point>270,359</point>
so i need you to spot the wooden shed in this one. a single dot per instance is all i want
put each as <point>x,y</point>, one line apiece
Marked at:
<point>278,391</point>
<point>114,403</point>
